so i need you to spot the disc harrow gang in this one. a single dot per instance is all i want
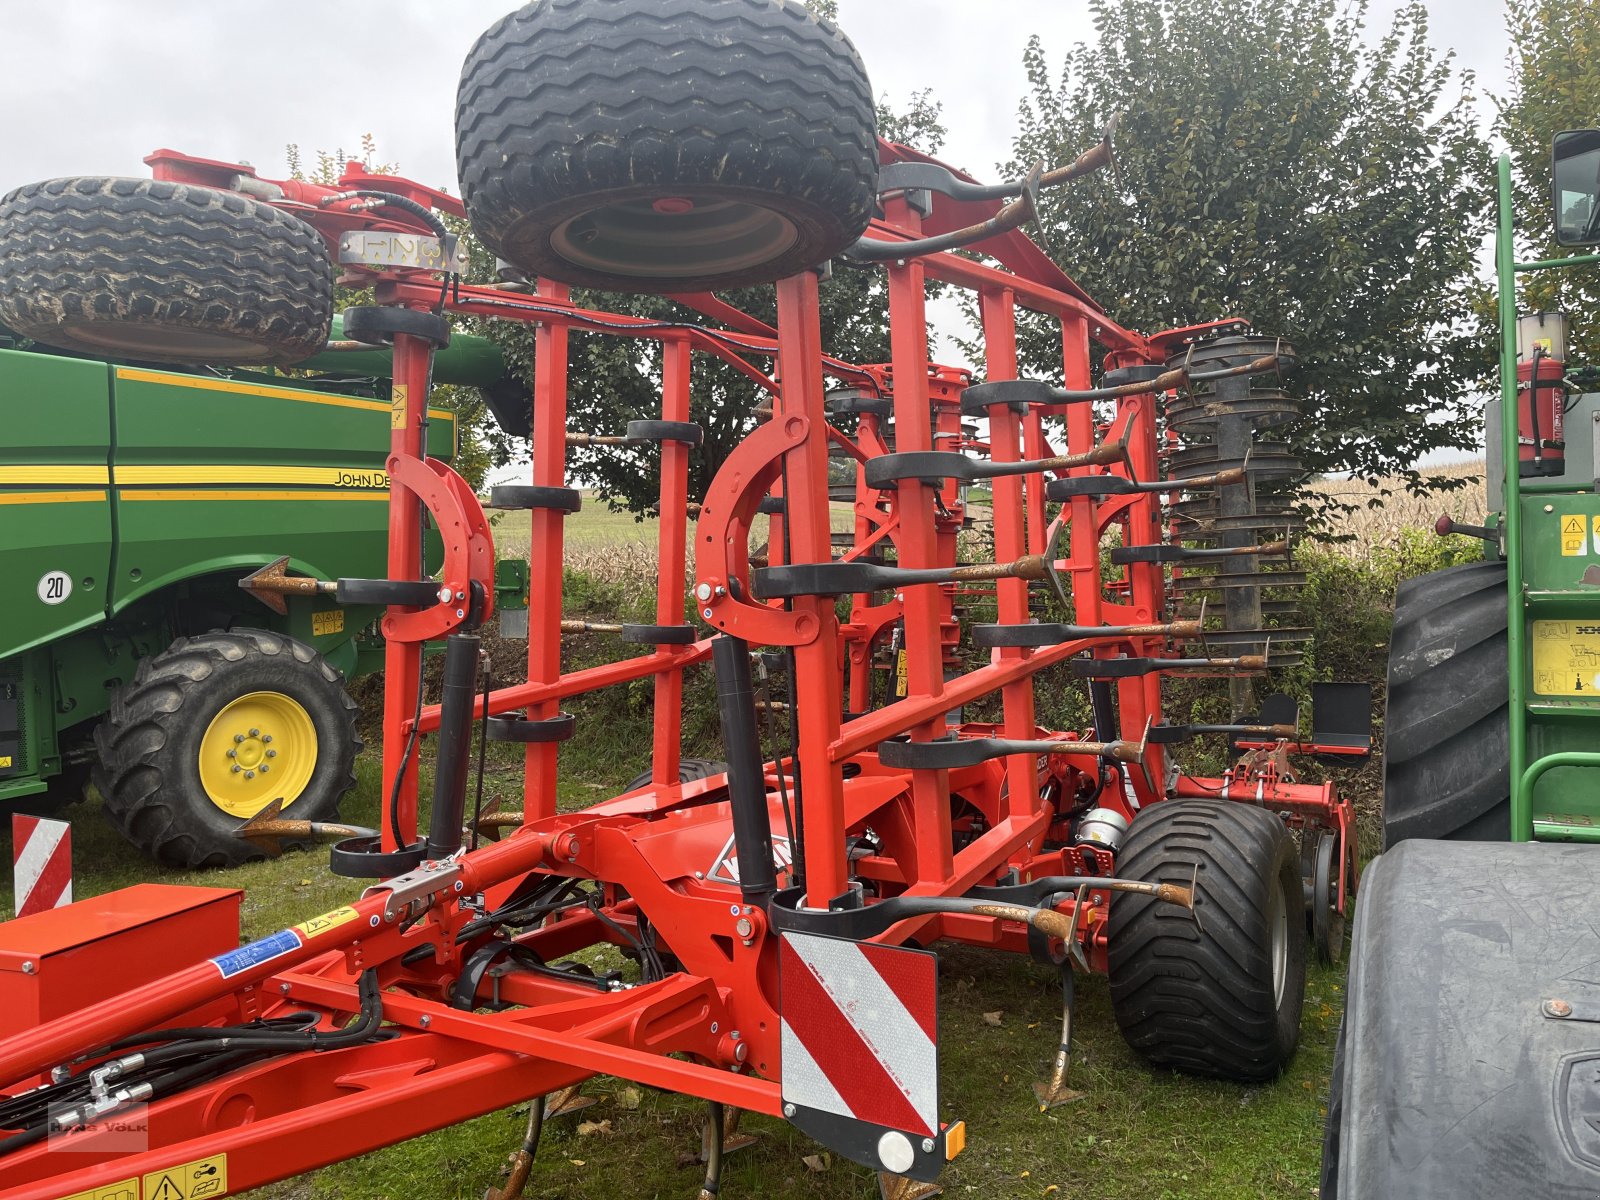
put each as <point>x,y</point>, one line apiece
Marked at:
<point>747,912</point>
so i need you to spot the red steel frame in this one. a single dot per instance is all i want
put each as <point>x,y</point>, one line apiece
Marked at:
<point>651,850</point>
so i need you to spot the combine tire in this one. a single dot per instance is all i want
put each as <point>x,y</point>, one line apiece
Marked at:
<point>214,728</point>
<point>1328,1188</point>
<point>1447,752</point>
<point>689,770</point>
<point>1219,995</point>
<point>637,145</point>
<point>1469,1057</point>
<point>165,272</point>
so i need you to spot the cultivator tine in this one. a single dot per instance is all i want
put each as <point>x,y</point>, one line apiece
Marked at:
<point>1194,890</point>
<point>521,1163</point>
<point>494,820</point>
<point>566,1102</point>
<point>269,829</point>
<point>711,1149</point>
<point>898,1187</point>
<point>1052,571</point>
<point>732,1138</point>
<point>1030,193</point>
<point>1054,1092</point>
<point>1096,158</point>
<point>273,582</point>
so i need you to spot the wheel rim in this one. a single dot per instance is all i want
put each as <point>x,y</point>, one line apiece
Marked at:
<point>1280,949</point>
<point>673,237</point>
<point>258,748</point>
<point>1327,922</point>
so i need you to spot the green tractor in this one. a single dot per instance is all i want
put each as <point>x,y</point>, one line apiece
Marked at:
<point>1469,1062</point>
<point>138,487</point>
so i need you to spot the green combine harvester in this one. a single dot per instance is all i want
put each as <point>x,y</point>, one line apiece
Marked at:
<point>1469,1063</point>
<point>133,499</point>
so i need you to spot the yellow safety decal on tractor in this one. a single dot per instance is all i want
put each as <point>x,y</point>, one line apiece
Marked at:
<point>203,1179</point>
<point>325,623</point>
<point>1566,658</point>
<point>1574,535</point>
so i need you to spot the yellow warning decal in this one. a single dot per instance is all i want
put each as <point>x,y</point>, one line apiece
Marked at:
<point>901,684</point>
<point>1566,658</point>
<point>5,760</point>
<point>1597,535</point>
<point>202,1179</point>
<point>325,623</point>
<point>327,921</point>
<point>397,405</point>
<point>1574,535</point>
<point>128,1189</point>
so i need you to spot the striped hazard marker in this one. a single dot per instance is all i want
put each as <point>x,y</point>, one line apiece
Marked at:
<point>859,1038</point>
<point>42,863</point>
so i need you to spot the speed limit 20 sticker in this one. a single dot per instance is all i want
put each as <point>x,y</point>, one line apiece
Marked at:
<point>54,587</point>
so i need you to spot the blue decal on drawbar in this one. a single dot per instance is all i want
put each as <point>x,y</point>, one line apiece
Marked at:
<point>270,947</point>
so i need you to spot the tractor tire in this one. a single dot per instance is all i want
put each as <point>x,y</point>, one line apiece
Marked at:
<point>1447,733</point>
<point>162,272</point>
<point>186,750</point>
<point>650,146</point>
<point>1470,1053</point>
<point>1218,992</point>
<point>1328,1188</point>
<point>689,770</point>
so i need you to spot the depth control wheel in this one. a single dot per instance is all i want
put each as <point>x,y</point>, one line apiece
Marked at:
<point>637,145</point>
<point>1324,920</point>
<point>163,272</point>
<point>1219,991</point>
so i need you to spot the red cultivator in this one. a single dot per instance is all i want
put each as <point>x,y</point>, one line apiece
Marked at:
<point>775,909</point>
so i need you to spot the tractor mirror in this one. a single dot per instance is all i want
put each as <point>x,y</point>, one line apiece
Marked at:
<point>1576,172</point>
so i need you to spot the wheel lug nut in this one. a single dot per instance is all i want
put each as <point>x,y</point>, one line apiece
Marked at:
<point>255,733</point>
<point>267,738</point>
<point>237,768</point>
<point>233,754</point>
<point>238,737</point>
<point>272,754</point>
<point>249,774</point>
<point>265,768</point>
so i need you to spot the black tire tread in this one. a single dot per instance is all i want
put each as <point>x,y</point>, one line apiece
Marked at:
<point>755,94</point>
<point>1199,998</point>
<point>101,250</point>
<point>1446,771</point>
<point>128,773</point>
<point>689,770</point>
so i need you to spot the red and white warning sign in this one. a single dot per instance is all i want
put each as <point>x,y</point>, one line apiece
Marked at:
<point>860,1031</point>
<point>42,863</point>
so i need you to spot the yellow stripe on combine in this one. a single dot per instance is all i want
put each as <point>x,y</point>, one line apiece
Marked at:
<point>217,495</point>
<point>54,497</point>
<point>137,375</point>
<point>238,473</point>
<point>54,473</point>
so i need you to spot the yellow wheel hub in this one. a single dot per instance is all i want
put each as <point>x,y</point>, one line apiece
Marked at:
<point>260,748</point>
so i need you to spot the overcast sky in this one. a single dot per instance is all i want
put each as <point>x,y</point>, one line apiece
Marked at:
<point>91,86</point>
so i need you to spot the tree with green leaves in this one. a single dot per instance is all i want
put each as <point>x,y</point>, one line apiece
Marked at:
<point>1555,85</point>
<point>1276,164</point>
